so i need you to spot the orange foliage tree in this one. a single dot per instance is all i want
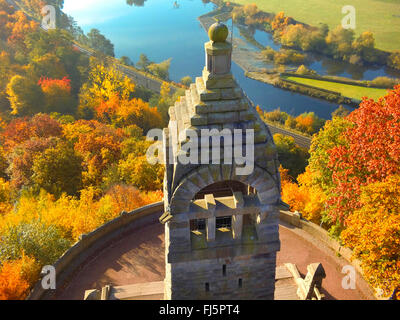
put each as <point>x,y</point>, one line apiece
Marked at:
<point>100,146</point>
<point>16,278</point>
<point>22,129</point>
<point>19,27</point>
<point>280,22</point>
<point>124,112</point>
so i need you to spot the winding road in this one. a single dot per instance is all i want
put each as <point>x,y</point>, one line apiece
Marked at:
<point>151,83</point>
<point>300,140</point>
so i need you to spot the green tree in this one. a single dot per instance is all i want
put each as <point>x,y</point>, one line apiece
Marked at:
<point>99,42</point>
<point>33,239</point>
<point>58,170</point>
<point>303,70</point>
<point>394,60</point>
<point>57,96</point>
<point>53,55</point>
<point>339,41</point>
<point>161,69</point>
<point>26,97</point>
<point>330,136</point>
<point>138,172</point>
<point>364,46</point>
<point>48,66</point>
<point>186,81</point>
<point>341,112</point>
<point>143,62</point>
<point>136,3</point>
<point>126,61</point>
<point>290,155</point>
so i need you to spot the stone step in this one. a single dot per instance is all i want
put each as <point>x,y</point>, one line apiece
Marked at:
<point>177,112</point>
<point>185,112</point>
<point>206,95</point>
<point>171,112</point>
<point>222,106</point>
<point>189,104</point>
<point>195,97</point>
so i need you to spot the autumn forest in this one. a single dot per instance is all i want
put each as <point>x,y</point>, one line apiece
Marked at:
<point>73,154</point>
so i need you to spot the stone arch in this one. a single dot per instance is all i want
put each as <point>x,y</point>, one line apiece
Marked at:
<point>268,187</point>
<point>223,189</point>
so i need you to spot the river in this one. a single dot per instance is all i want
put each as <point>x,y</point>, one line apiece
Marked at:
<point>164,29</point>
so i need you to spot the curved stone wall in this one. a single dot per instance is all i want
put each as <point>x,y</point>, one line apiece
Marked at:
<point>95,241</point>
<point>322,236</point>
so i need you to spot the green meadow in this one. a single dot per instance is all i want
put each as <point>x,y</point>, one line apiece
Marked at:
<point>381,17</point>
<point>347,90</point>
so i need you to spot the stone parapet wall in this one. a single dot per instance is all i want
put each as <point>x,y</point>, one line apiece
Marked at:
<point>101,237</point>
<point>94,242</point>
<point>321,235</point>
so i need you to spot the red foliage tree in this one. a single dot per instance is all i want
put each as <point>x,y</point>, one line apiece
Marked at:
<point>63,83</point>
<point>57,95</point>
<point>372,153</point>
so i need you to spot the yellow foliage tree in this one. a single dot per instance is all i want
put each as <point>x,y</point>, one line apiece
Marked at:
<point>104,83</point>
<point>304,197</point>
<point>140,173</point>
<point>373,232</point>
<point>5,196</point>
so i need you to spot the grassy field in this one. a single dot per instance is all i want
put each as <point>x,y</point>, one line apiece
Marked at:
<point>347,90</point>
<point>381,17</point>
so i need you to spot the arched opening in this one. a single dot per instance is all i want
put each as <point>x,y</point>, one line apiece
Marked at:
<point>232,214</point>
<point>225,189</point>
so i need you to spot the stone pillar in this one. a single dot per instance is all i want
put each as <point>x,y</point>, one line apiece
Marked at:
<point>211,229</point>
<point>237,226</point>
<point>218,54</point>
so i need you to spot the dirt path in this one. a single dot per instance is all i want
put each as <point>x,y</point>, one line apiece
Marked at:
<point>139,258</point>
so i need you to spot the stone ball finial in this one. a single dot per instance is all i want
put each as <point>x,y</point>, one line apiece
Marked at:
<point>218,32</point>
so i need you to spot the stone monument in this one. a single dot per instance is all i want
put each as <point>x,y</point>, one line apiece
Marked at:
<point>221,219</point>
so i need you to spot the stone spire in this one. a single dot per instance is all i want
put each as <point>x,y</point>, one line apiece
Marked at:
<point>224,265</point>
<point>215,101</point>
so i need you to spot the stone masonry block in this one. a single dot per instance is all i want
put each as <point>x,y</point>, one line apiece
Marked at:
<point>196,179</point>
<point>269,197</point>
<point>226,171</point>
<point>223,117</point>
<point>198,120</point>
<point>215,172</point>
<point>206,176</point>
<point>179,206</point>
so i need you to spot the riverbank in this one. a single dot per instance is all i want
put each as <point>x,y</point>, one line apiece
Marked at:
<point>349,90</point>
<point>248,60</point>
<point>278,81</point>
<point>333,89</point>
<point>385,24</point>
